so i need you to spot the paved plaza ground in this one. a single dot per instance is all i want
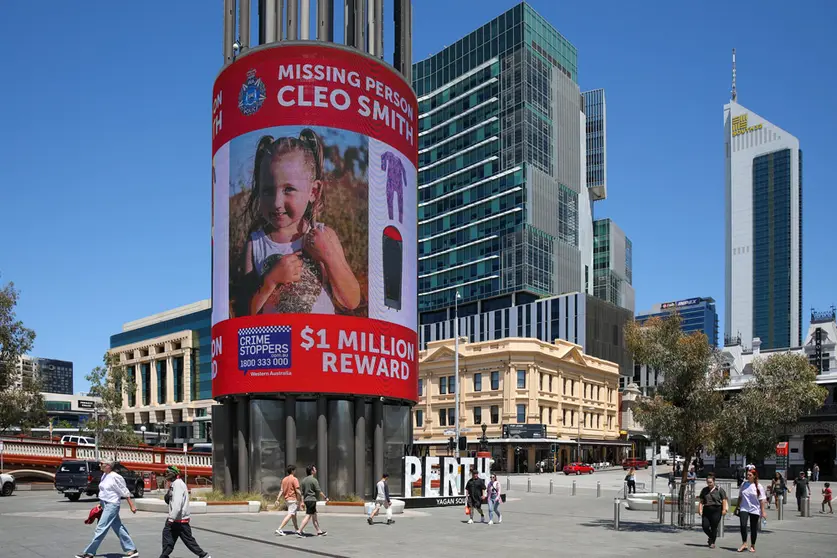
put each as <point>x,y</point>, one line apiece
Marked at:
<point>44,524</point>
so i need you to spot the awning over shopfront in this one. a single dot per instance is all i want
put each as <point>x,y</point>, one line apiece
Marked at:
<point>444,442</point>
<point>594,442</point>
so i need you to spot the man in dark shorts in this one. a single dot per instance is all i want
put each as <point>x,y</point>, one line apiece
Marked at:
<point>475,491</point>
<point>310,492</point>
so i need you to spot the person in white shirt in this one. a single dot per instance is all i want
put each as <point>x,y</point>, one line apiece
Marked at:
<point>111,491</point>
<point>752,498</point>
<point>382,501</point>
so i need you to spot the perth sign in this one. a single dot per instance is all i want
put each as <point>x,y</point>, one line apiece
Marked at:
<point>442,479</point>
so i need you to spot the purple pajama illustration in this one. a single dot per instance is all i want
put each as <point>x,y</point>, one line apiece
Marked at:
<point>396,180</point>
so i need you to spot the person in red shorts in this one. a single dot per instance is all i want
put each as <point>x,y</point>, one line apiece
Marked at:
<point>826,498</point>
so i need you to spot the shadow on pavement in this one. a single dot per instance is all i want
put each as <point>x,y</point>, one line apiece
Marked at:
<point>633,527</point>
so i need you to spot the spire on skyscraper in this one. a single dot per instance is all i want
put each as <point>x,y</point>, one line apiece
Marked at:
<point>734,92</point>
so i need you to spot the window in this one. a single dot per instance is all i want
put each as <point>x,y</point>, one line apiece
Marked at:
<point>421,387</point>
<point>443,386</point>
<point>452,416</point>
<point>495,414</point>
<point>451,384</point>
<point>550,383</point>
<point>443,417</point>
<point>564,418</point>
<point>419,418</point>
<point>521,379</point>
<point>495,380</point>
<point>521,414</point>
<point>565,386</point>
<point>540,381</point>
<point>477,415</point>
<point>550,415</point>
<point>477,382</point>
<point>541,414</point>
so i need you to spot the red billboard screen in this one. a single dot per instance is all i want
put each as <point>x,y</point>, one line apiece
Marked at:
<point>314,225</point>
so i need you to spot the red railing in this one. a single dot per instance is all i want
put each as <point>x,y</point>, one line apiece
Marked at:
<point>36,452</point>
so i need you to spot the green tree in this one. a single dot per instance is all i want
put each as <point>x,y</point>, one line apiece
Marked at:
<point>782,390</point>
<point>687,401</point>
<point>107,382</point>
<point>21,403</point>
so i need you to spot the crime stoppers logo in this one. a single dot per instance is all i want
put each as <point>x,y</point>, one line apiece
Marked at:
<point>252,94</point>
<point>264,348</point>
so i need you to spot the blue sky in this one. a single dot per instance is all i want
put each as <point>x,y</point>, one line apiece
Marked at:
<point>105,163</point>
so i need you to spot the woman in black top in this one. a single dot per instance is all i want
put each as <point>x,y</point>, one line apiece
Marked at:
<point>713,505</point>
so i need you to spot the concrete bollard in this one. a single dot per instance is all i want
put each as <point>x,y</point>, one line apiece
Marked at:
<point>780,509</point>
<point>721,526</point>
<point>661,508</point>
<point>550,486</point>
<point>508,484</point>
<point>573,488</point>
<point>528,485</point>
<point>617,509</point>
<point>598,489</point>
<point>806,507</point>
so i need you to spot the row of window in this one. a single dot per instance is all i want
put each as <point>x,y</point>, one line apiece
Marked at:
<point>471,194</point>
<point>478,210</point>
<point>592,392</point>
<point>447,417</point>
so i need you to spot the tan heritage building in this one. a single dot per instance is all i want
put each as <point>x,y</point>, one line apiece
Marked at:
<point>560,394</point>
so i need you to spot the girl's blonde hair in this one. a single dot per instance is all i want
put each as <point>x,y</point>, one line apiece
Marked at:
<point>311,146</point>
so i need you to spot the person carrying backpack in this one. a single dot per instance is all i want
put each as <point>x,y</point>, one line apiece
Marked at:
<point>177,523</point>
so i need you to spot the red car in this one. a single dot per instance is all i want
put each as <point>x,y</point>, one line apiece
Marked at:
<point>577,469</point>
<point>634,463</point>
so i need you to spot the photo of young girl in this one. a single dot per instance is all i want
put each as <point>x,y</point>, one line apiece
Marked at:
<point>298,232</point>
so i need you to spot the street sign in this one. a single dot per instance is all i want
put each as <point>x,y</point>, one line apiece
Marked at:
<point>464,429</point>
<point>450,432</point>
<point>524,431</point>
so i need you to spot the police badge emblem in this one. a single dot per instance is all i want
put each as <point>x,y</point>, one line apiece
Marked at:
<point>252,94</point>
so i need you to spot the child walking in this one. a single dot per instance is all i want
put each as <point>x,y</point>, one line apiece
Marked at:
<point>826,498</point>
<point>293,263</point>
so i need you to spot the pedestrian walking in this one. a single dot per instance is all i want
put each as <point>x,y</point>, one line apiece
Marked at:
<point>752,499</point>
<point>382,500</point>
<point>778,487</point>
<point>816,476</point>
<point>630,478</point>
<point>177,523</point>
<point>800,483</point>
<point>310,492</point>
<point>475,491</point>
<point>111,491</point>
<point>691,476</point>
<point>290,492</point>
<point>712,506</point>
<point>494,500</point>
<point>826,498</point>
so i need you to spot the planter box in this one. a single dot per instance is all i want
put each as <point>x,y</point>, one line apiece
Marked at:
<point>359,508</point>
<point>199,508</point>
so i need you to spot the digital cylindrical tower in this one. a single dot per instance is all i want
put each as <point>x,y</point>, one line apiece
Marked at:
<point>314,301</point>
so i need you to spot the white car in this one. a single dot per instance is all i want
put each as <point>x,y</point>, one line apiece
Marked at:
<point>78,440</point>
<point>7,484</point>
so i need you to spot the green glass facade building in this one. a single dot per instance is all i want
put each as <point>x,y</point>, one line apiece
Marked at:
<point>501,145</point>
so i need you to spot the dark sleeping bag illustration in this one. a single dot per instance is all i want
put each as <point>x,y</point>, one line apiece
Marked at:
<point>393,256</point>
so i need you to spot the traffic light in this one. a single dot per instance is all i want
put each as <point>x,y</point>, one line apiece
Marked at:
<point>517,450</point>
<point>463,442</point>
<point>450,443</point>
<point>553,448</point>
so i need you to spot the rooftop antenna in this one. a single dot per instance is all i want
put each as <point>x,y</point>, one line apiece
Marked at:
<point>734,92</point>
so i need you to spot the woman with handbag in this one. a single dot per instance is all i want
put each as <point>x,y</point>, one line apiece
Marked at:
<point>752,498</point>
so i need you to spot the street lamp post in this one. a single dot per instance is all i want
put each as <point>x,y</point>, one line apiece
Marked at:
<point>484,440</point>
<point>142,429</point>
<point>456,366</point>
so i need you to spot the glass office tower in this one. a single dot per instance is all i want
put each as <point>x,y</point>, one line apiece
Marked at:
<point>612,264</point>
<point>501,168</point>
<point>698,314</point>
<point>763,231</point>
